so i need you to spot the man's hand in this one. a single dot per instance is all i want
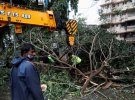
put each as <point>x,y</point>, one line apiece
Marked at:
<point>43,87</point>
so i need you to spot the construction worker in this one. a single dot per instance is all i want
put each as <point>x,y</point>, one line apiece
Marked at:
<point>25,81</point>
<point>75,60</point>
<point>47,59</point>
<point>50,58</point>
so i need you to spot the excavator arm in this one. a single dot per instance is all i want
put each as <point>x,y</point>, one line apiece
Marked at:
<point>23,16</point>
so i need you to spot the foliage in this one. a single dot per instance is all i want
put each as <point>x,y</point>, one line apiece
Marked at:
<point>64,4</point>
<point>121,51</point>
<point>59,84</point>
<point>4,76</point>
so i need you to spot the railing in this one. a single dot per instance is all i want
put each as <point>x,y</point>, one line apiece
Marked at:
<point>130,18</point>
<point>130,6</point>
<point>104,2</point>
<point>121,30</point>
<point>117,1</point>
<point>130,39</point>
<point>117,29</point>
<point>105,11</point>
<point>131,28</point>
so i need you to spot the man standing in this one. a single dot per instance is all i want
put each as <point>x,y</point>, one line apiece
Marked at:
<point>25,81</point>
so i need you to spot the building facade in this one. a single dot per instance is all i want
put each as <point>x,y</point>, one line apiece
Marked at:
<point>118,16</point>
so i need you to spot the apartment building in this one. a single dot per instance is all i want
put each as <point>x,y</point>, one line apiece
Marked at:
<point>118,16</point>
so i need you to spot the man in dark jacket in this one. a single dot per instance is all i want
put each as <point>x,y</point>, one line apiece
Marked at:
<point>25,81</point>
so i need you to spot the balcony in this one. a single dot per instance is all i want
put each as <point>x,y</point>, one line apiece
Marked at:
<point>118,1</point>
<point>106,11</point>
<point>105,22</point>
<point>121,7</point>
<point>105,2</point>
<point>130,18</point>
<point>119,38</point>
<point>131,28</point>
<point>117,30</point>
<point>120,30</point>
<point>119,19</point>
<point>111,30</point>
<point>130,6</point>
<point>130,39</point>
<point>116,20</point>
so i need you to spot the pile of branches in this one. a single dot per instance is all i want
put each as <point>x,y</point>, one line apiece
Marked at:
<point>100,53</point>
<point>99,50</point>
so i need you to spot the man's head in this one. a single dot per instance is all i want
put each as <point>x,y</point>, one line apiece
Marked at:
<point>28,50</point>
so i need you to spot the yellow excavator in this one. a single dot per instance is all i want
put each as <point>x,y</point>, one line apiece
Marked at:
<point>21,16</point>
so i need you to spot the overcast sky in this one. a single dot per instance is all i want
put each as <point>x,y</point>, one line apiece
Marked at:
<point>89,10</point>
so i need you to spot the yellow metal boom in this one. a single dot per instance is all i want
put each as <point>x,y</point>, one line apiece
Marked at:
<point>23,16</point>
